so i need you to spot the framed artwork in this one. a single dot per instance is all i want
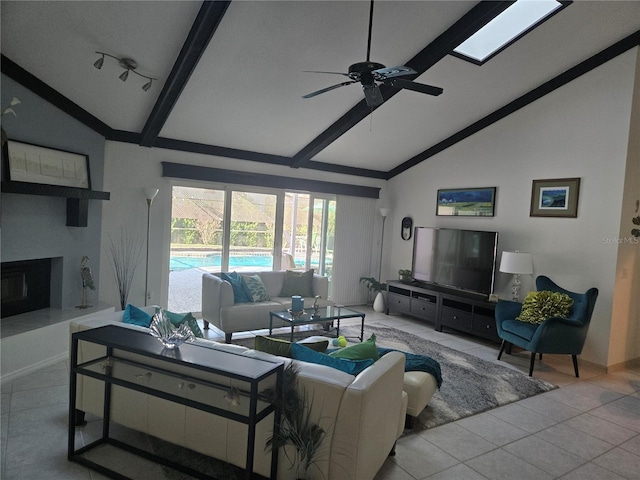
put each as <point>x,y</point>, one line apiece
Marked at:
<point>35,164</point>
<point>555,197</point>
<point>472,202</point>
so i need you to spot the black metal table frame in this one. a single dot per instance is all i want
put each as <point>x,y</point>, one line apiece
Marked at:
<point>309,318</point>
<point>76,455</point>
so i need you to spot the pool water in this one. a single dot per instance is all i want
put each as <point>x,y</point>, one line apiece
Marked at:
<point>215,260</point>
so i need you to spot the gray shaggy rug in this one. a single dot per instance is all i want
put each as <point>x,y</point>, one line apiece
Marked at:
<point>470,385</point>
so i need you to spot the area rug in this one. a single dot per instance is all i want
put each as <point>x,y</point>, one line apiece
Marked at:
<point>470,385</point>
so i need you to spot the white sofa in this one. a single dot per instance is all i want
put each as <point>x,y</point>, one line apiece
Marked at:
<point>363,414</point>
<point>219,309</point>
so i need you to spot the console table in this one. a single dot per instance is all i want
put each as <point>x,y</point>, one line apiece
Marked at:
<point>443,307</point>
<point>207,388</point>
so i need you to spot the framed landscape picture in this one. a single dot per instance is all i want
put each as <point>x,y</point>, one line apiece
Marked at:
<point>555,197</point>
<point>36,164</point>
<point>472,202</point>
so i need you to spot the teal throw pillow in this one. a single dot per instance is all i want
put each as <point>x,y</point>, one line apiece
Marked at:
<point>538,306</point>
<point>240,294</point>
<point>177,319</point>
<point>305,354</point>
<point>256,288</point>
<point>135,316</point>
<point>297,283</point>
<point>359,351</point>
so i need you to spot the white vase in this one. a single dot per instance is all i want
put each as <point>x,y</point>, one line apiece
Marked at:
<point>378,303</point>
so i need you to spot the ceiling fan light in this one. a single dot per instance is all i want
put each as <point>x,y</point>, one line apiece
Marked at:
<point>147,86</point>
<point>372,95</point>
<point>98,63</point>
<point>124,75</point>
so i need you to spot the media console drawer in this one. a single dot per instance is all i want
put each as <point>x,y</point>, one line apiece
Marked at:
<point>399,303</point>
<point>456,318</point>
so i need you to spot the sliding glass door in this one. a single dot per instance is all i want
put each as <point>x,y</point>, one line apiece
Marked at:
<point>224,230</point>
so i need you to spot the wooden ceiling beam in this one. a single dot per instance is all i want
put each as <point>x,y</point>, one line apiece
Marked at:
<point>202,30</point>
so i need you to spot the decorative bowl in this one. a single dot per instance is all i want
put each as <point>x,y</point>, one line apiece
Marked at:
<point>170,336</point>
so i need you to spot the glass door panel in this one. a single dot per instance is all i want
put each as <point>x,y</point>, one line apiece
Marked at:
<point>196,244</point>
<point>251,233</point>
<point>295,227</point>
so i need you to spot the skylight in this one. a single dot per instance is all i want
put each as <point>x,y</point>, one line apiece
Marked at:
<point>504,29</point>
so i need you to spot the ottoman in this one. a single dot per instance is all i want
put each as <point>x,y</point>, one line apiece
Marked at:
<point>420,388</point>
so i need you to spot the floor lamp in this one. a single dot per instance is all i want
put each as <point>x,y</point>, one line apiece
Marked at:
<point>150,194</point>
<point>384,212</point>
<point>518,263</point>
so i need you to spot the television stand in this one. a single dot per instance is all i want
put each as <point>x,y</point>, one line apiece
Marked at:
<point>444,307</point>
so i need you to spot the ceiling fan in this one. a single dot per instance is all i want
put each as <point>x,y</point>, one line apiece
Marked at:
<point>371,74</point>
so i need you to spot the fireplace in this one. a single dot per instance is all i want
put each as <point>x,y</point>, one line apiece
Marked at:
<point>26,286</point>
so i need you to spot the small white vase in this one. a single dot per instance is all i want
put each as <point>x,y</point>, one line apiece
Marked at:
<point>378,303</point>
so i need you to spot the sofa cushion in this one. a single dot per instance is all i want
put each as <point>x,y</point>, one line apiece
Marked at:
<point>540,305</point>
<point>240,294</point>
<point>359,351</point>
<point>177,319</point>
<point>305,354</point>
<point>256,288</point>
<point>297,283</point>
<point>282,348</point>
<point>135,316</point>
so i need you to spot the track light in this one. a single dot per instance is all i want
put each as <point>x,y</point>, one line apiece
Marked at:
<point>99,62</point>
<point>129,65</point>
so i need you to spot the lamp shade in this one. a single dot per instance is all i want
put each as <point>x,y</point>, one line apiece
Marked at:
<point>516,262</point>
<point>150,193</point>
<point>384,212</point>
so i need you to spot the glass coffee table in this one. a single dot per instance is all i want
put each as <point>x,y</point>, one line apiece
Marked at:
<point>325,315</point>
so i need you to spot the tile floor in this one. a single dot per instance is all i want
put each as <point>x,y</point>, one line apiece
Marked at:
<point>589,429</point>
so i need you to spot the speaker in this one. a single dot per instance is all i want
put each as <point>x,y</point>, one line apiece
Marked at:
<point>407,228</point>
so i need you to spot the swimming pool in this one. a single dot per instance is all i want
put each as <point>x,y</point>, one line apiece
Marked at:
<point>215,260</point>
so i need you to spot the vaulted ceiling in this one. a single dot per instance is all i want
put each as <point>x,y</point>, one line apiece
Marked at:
<point>231,74</point>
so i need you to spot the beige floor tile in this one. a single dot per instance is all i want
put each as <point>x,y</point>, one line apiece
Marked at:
<point>420,458</point>
<point>621,462</point>
<point>575,441</point>
<point>457,441</point>
<point>457,472</point>
<point>492,429</point>
<point>502,465</point>
<point>600,428</point>
<point>591,471</point>
<point>548,457</point>
<point>523,418</point>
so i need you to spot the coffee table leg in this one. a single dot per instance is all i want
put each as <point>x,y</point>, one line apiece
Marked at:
<point>362,329</point>
<point>270,323</point>
<point>292,326</point>
<point>338,329</point>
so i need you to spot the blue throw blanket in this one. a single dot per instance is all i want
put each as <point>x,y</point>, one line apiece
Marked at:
<point>417,363</point>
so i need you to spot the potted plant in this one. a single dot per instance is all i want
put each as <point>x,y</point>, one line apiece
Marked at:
<point>297,429</point>
<point>405,275</point>
<point>377,288</point>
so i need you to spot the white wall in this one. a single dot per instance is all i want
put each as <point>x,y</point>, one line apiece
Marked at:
<point>580,130</point>
<point>129,168</point>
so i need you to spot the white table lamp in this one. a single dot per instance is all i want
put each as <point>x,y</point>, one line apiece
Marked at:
<point>517,263</point>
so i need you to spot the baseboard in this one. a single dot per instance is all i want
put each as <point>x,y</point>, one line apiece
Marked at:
<point>9,377</point>
<point>633,363</point>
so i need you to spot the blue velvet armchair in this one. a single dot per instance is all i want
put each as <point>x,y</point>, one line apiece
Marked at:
<point>555,335</point>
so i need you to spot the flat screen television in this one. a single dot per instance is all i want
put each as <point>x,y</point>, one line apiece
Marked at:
<point>460,259</point>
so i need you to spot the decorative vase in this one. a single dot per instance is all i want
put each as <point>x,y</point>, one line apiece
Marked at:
<point>378,303</point>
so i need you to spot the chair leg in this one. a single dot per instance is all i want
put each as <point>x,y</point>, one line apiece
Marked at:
<point>539,356</point>
<point>575,365</point>
<point>206,324</point>
<point>533,360</point>
<point>504,344</point>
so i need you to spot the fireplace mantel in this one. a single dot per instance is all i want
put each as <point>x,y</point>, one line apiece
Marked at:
<point>77,198</point>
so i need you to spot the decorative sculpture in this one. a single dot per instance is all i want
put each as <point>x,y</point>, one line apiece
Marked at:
<point>87,281</point>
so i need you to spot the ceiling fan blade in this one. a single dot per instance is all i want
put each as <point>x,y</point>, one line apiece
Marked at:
<point>328,89</point>
<point>416,87</point>
<point>390,72</point>
<point>331,73</point>
<point>372,95</point>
